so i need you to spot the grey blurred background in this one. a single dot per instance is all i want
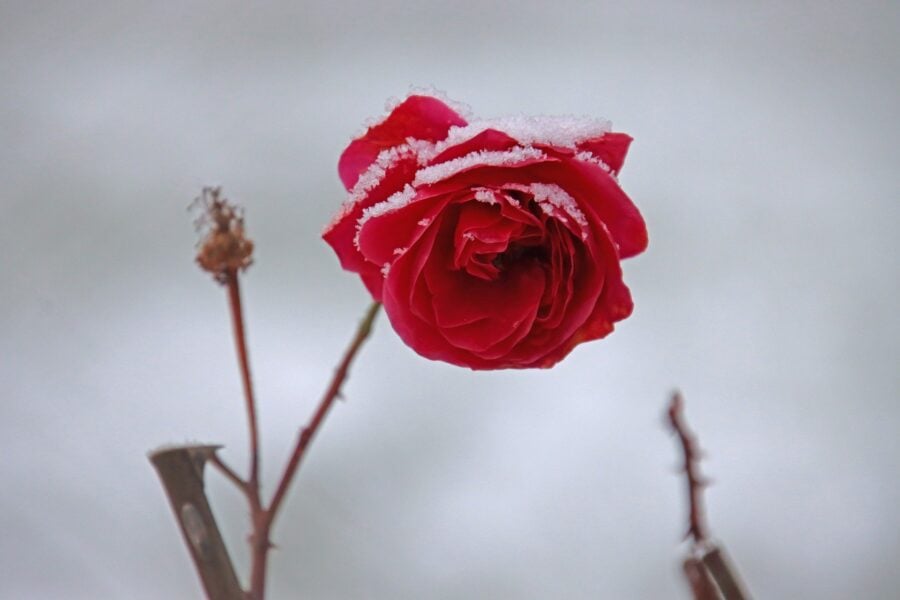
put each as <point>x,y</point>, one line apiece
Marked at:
<point>765,162</point>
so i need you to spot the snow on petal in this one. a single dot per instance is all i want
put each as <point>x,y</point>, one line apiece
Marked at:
<point>585,156</point>
<point>392,203</point>
<point>422,117</point>
<point>370,179</point>
<point>506,158</point>
<point>486,195</point>
<point>560,198</point>
<point>566,132</point>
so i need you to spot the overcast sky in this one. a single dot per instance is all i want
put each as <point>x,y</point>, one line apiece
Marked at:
<point>764,161</point>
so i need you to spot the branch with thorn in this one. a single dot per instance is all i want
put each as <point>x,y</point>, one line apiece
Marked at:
<point>224,251</point>
<point>707,568</point>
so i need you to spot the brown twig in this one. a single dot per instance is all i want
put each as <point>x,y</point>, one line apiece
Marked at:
<point>702,585</point>
<point>706,568</point>
<point>263,519</point>
<point>331,394</point>
<point>697,528</point>
<point>724,574</point>
<point>181,471</point>
<point>224,251</point>
<point>237,319</point>
<point>229,473</point>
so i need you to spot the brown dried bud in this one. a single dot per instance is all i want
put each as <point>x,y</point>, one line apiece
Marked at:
<point>223,249</point>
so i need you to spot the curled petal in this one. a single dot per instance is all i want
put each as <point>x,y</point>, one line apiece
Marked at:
<point>341,234</point>
<point>418,117</point>
<point>611,148</point>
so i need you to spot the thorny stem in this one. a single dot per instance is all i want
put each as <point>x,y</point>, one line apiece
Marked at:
<point>697,528</point>
<point>331,394</point>
<point>263,518</point>
<point>259,539</point>
<point>708,571</point>
<point>224,250</point>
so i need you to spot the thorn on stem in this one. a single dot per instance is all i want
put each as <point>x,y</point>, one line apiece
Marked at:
<point>697,528</point>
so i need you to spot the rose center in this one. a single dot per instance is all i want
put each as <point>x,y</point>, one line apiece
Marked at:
<point>521,252</point>
<point>490,239</point>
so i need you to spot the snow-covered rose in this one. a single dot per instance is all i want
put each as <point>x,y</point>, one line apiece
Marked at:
<point>492,244</point>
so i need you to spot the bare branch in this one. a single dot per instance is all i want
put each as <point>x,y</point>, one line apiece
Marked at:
<point>706,568</point>
<point>181,471</point>
<point>697,528</point>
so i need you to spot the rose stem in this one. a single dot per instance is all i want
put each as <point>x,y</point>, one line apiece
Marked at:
<point>707,563</point>
<point>695,483</point>
<point>237,320</point>
<point>259,540</point>
<point>263,520</point>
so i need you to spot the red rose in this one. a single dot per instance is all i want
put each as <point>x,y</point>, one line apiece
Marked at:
<point>492,244</point>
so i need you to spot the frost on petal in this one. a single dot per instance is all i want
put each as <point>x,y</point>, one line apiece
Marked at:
<point>485,140</point>
<point>555,196</point>
<point>507,158</point>
<point>555,202</point>
<point>609,149</point>
<point>585,156</point>
<point>370,179</point>
<point>599,195</point>
<point>486,195</point>
<point>397,225</point>
<point>419,117</point>
<point>566,132</point>
<point>380,182</point>
<point>461,108</point>
<point>394,202</point>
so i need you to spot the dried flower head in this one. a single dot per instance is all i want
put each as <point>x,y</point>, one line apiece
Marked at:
<point>223,249</point>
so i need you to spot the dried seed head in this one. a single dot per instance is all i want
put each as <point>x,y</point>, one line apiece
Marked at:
<point>223,248</point>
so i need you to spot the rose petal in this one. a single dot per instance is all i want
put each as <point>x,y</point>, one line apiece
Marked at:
<point>381,238</point>
<point>489,139</point>
<point>419,117</point>
<point>611,148</point>
<point>613,304</point>
<point>597,193</point>
<point>417,332</point>
<point>342,233</point>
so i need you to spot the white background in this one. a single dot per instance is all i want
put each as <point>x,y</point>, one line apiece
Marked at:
<point>765,163</point>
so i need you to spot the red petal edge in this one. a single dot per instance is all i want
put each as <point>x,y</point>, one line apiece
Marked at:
<point>419,117</point>
<point>611,148</point>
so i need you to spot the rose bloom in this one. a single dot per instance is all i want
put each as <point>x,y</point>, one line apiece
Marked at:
<point>492,244</point>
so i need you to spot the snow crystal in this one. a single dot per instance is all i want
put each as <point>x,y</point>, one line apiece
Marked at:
<point>485,195</point>
<point>386,269</point>
<point>587,157</point>
<point>392,203</point>
<point>481,158</point>
<point>376,172</point>
<point>560,198</point>
<point>462,109</point>
<point>420,147</point>
<point>425,222</point>
<point>370,179</point>
<point>566,132</point>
